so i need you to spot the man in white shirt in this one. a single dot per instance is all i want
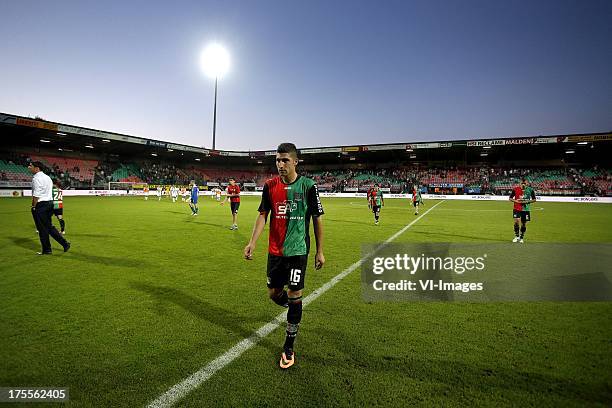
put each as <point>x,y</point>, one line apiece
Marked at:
<point>42,209</point>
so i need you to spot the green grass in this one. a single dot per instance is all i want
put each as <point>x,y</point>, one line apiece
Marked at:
<point>148,294</point>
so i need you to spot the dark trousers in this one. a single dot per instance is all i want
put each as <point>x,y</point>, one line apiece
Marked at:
<point>42,218</point>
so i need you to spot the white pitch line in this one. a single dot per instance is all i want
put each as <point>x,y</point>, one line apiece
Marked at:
<point>180,390</point>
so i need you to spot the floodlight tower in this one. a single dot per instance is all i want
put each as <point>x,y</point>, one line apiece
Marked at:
<point>215,63</point>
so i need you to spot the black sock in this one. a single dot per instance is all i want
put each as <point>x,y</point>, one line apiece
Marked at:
<point>294,316</point>
<point>281,299</point>
<point>62,224</point>
<point>523,229</point>
<point>516,230</point>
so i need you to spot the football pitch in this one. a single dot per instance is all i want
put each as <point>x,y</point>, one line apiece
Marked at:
<point>149,294</point>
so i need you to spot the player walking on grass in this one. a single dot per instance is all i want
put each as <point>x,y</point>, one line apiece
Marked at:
<point>522,196</point>
<point>217,193</point>
<point>233,194</point>
<point>58,205</point>
<point>375,201</point>
<point>193,203</point>
<point>416,199</point>
<point>291,201</point>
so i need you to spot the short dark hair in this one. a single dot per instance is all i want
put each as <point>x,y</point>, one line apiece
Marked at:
<point>231,178</point>
<point>287,148</point>
<point>37,164</point>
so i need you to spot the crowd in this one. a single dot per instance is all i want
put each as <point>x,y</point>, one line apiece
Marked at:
<point>398,178</point>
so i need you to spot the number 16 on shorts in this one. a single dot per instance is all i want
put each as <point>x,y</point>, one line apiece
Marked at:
<point>295,276</point>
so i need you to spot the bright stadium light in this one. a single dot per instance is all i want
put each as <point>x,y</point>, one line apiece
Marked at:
<point>215,62</point>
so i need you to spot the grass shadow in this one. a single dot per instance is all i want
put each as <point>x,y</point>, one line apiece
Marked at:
<point>31,244</point>
<point>198,221</point>
<point>209,312</point>
<point>76,234</point>
<point>108,260</point>
<point>442,234</point>
<point>327,219</point>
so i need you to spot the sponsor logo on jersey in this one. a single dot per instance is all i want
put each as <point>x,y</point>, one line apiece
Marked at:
<point>284,207</point>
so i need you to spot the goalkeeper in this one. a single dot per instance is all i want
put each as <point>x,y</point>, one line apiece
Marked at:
<point>193,203</point>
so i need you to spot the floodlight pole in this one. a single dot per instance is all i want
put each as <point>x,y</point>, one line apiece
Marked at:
<point>215,115</point>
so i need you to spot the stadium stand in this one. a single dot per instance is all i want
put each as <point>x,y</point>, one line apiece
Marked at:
<point>127,173</point>
<point>76,172</point>
<point>11,172</point>
<point>79,170</point>
<point>82,158</point>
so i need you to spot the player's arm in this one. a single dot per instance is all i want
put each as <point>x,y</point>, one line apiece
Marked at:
<point>316,210</point>
<point>317,224</point>
<point>511,198</point>
<point>36,185</point>
<point>264,208</point>
<point>227,196</point>
<point>532,199</point>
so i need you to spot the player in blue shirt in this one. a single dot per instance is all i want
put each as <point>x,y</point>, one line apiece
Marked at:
<point>193,204</point>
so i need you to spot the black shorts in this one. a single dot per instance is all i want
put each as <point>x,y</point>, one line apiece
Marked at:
<point>376,209</point>
<point>415,203</point>
<point>287,270</point>
<point>58,211</point>
<point>525,216</point>
<point>234,207</point>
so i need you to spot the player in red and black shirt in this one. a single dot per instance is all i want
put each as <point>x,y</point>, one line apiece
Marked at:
<point>233,194</point>
<point>291,201</point>
<point>522,196</point>
<point>375,201</point>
